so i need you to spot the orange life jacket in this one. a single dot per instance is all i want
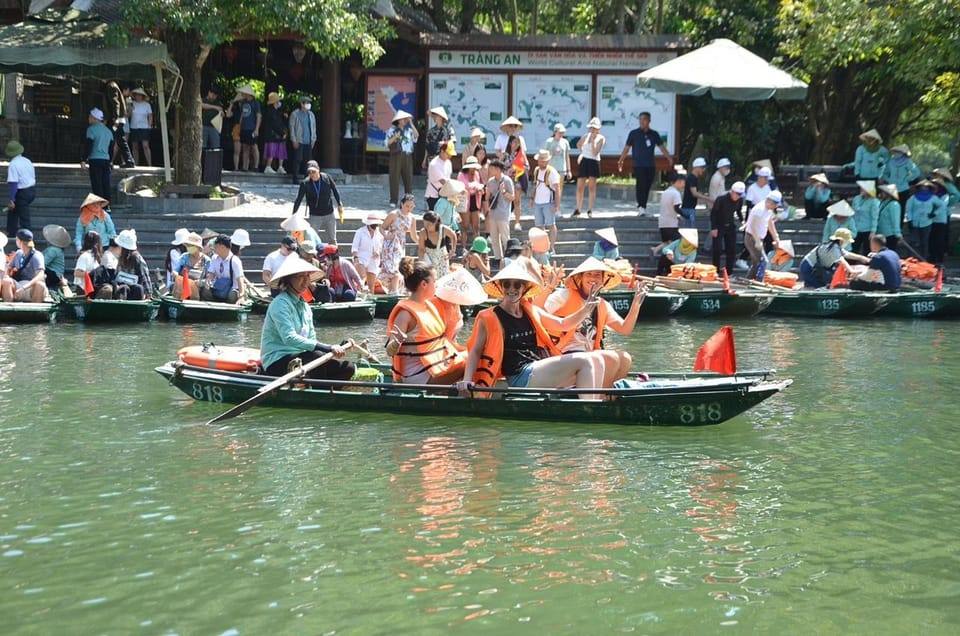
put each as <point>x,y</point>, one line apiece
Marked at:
<point>452,318</point>
<point>491,358</point>
<point>694,271</point>
<point>430,350</point>
<point>573,303</point>
<point>781,279</point>
<point>918,270</point>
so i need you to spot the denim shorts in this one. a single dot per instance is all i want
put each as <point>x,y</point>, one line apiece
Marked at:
<point>543,215</point>
<point>522,377</point>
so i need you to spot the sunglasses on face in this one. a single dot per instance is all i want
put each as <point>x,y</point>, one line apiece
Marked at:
<point>513,284</point>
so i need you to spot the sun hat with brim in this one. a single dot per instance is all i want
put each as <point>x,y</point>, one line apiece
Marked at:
<point>140,91</point>
<point>542,155</point>
<point>842,234</point>
<point>373,218</point>
<point>400,116</point>
<point>14,148</point>
<point>471,162</point>
<point>56,235</point>
<point>309,247</point>
<point>511,121</point>
<point>180,236</point>
<point>460,288</point>
<point>539,239</point>
<point>513,245</point>
<point>820,178</point>
<point>903,149</point>
<point>441,112</point>
<point>723,163</point>
<point>194,239</point>
<point>240,238</point>
<point>560,128</point>
<point>609,235</point>
<point>273,98</point>
<point>296,222</point>
<point>246,89</point>
<point>452,188</point>
<point>127,239</point>
<point>690,236</point>
<point>480,246</point>
<point>873,133</point>
<point>594,123</point>
<point>870,187</point>
<point>841,208</point>
<point>514,271</point>
<point>91,199</point>
<point>293,265</point>
<point>891,189</point>
<point>943,172</point>
<point>611,278</point>
<point>787,246</point>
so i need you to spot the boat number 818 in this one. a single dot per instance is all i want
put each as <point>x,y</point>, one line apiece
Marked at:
<point>701,413</point>
<point>207,393</point>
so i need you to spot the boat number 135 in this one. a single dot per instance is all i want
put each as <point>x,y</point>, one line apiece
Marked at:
<point>207,393</point>
<point>701,413</point>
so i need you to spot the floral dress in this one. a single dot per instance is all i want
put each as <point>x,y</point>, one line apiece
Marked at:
<point>438,255</point>
<point>395,244</point>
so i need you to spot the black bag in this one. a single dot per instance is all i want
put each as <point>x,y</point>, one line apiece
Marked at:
<point>396,147</point>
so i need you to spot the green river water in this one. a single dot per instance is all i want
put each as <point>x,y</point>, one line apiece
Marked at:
<point>830,509</point>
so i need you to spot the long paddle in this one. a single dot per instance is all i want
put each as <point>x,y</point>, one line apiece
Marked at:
<point>265,391</point>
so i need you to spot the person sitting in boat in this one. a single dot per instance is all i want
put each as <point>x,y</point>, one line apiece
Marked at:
<point>93,217</point>
<point>207,236</point>
<point>132,280</point>
<point>273,260</point>
<point>436,243</point>
<point>840,215</point>
<point>819,264</point>
<point>25,275</point>
<point>448,206</point>
<point>681,251</point>
<point>195,262</point>
<point>477,261</point>
<point>512,251</point>
<point>87,263</point>
<point>511,340</point>
<point>308,252</point>
<point>342,281</point>
<point>539,241</point>
<point>589,278</point>
<point>57,239</point>
<point>297,226</point>
<point>366,249</point>
<point>224,279</point>
<point>239,240</point>
<point>608,246</point>
<point>176,251</point>
<point>288,332</point>
<point>416,332</point>
<point>883,271</point>
<point>816,196</point>
<point>781,259</point>
<point>455,290</point>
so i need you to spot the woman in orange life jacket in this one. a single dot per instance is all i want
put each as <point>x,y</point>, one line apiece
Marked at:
<point>511,340</point>
<point>591,276</point>
<point>417,333</point>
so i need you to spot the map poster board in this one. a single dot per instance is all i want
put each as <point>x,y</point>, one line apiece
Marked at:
<point>541,101</point>
<point>471,99</point>
<point>386,94</point>
<point>619,104</point>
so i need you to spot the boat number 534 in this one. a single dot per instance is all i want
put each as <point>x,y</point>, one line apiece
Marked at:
<point>207,393</point>
<point>701,413</point>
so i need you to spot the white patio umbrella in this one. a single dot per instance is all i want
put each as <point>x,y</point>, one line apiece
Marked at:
<point>727,71</point>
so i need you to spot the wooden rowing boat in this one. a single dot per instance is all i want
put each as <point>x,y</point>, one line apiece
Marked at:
<point>658,304</point>
<point>384,303</point>
<point>720,304</point>
<point>202,311</point>
<point>922,304</point>
<point>97,310</point>
<point>827,303</point>
<point>664,400</point>
<point>19,312</point>
<point>333,313</point>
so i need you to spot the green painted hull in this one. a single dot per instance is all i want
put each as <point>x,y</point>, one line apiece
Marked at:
<point>691,401</point>
<point>335,313</point>
<point>931,305</point>
<point>259,305</point>
<point>656,306</point>
<point>827,304</point>
<point>21,313</point>
<point>101,311</point>
<point>722,305</point>
<point>384,304</point>
<point>200,311</point>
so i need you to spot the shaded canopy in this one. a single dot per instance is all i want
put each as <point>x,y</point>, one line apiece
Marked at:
<point>75,43</point>
<point>727,71</point>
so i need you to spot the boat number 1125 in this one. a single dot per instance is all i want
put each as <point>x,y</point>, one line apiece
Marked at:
<point>207,393</point>
<point>701,413</point>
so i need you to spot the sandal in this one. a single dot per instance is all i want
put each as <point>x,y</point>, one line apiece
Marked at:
<point>575,214</point>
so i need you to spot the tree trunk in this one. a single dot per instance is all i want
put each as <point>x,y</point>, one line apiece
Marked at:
<point>189,52</point>
<point>620,15</point>
<point>534,11</point>
<point>439,18</point>
<point>641,16</point>
<point>515,17</point>
<point>468,13</point>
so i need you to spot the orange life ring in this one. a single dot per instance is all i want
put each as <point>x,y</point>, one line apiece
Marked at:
<point>211,356</point>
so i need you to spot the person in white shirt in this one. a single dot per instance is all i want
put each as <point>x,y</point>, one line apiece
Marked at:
<point>545,198</point>
<point>224,275</point>
<point>140,115</point>
<point>90,252</point>
<point>759,189</point>
<point>510,127</point>
<point>559,149</point>
<point>275,258</point>
<point>366,249</point>
<point>718,182</point>
<point>438,172</point>
<point>759,223</point>
<point>590,146</point>
<point>670,202</point>
<point>22,179</point>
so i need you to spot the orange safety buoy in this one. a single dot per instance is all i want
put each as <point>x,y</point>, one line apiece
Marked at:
<point>211,356</point>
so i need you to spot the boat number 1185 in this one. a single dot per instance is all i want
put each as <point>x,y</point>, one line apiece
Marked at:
<point>207,393</point>
<point>701,413</point>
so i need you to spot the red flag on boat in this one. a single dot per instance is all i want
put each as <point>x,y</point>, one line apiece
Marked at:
<point>185,287</point>
<point>88,288</point>
<point>307,295</point>
<point>718,353</point>
<point>839,276</point>
<point>939,284</point>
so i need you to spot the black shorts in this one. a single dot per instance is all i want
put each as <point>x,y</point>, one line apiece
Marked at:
<point>589,168</point>
<point>246,137</point>
<point>669,234</point>
<point>139,134</point>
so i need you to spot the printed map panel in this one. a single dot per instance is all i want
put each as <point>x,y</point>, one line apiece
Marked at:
<point>619,104</point>
<point>471,99</point>
<point>386,94</point>
<point>541,101</point>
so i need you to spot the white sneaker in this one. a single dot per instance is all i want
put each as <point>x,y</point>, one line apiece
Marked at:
<point>741,264</point>
<point>280,170</point>
<point>269,170</point>
<point>641,211</point>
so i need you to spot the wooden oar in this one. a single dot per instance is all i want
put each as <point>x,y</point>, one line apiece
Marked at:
<point>265,391</point>
<point>362,348</point>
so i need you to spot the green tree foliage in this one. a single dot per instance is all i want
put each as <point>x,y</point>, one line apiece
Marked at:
<point>191,28</point>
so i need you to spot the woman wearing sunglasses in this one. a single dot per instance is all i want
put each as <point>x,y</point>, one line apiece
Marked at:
<point>511,340</point>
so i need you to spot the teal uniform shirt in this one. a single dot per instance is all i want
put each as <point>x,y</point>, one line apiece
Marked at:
<point>679,257</point>
<point>287,329</point>
<point>600,253</point>
<point>888,218</point>
<point>832,225</point>
<point>869,165</point>
<point>102,137</point>
<point>817,195</point>
<point>867,209</point>
<point>953,194</point>
<point>918,212</point>
<point>53,260</point>
<point>900,171</point>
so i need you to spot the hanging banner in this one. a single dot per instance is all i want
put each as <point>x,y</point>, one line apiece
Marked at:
<point>386,94</point>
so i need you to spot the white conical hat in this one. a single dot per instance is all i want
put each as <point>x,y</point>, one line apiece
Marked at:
<point>611,278</point>
<point>820,177</point>
<point>293,264</point>
<point>296,222</point>
<point>690,235</point>
<point>514,271</point>
<point>401,114</point>
<point>891,189</point>
<point>511,121</point>
<point>440,111</point>
<point>841,208</point>
<point>787,246</point>
<point>460,288</point>
<point>873,133</point>
<point>608,234</point>
<point>93,198</point>
<point>452,188</point>
<point>870,187</point>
